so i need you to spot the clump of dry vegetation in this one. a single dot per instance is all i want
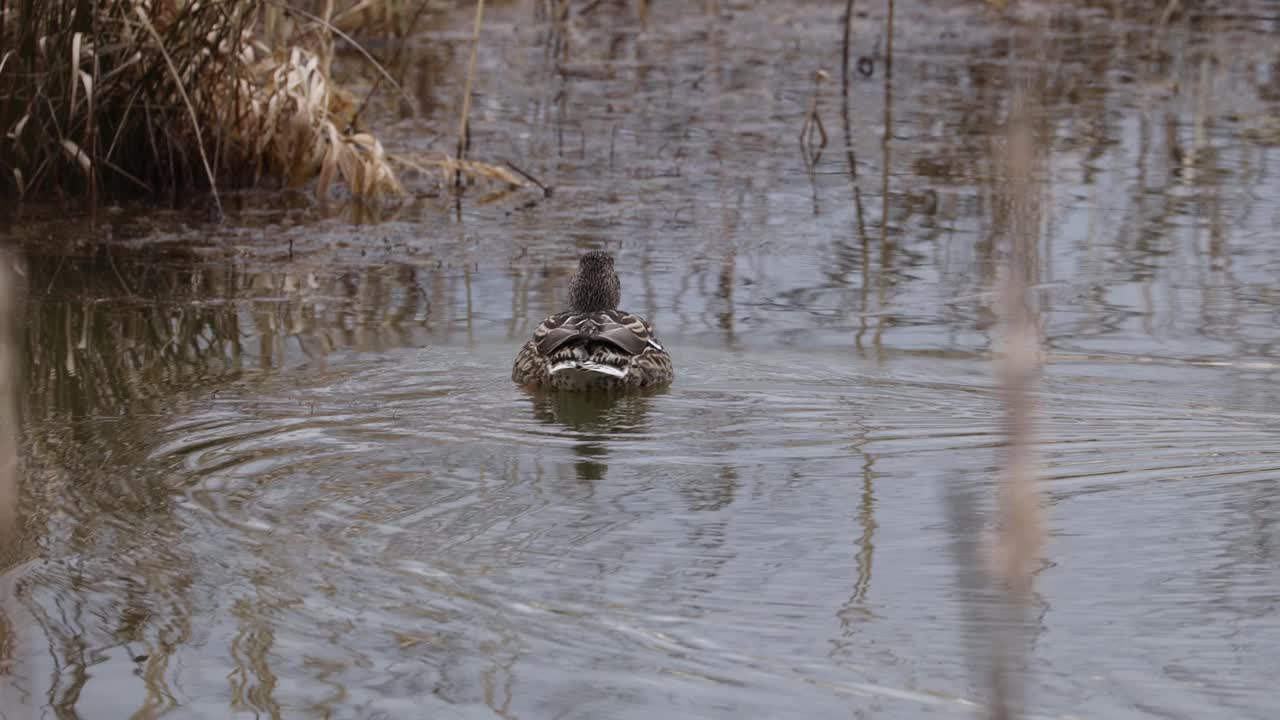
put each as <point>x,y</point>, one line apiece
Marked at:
<point>159,95</point>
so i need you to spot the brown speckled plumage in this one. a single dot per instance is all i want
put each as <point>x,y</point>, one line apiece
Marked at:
<point>593,345</point>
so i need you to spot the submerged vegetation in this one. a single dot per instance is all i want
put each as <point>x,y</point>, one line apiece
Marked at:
<point>165,95</point>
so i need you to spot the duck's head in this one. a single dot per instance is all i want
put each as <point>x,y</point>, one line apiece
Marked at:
<point>595,286</point>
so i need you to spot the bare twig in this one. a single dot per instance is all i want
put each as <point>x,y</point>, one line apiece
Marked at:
<point>812,130</point>
<point>546,191</point>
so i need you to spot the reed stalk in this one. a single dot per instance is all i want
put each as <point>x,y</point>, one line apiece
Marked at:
<point>464,130</point>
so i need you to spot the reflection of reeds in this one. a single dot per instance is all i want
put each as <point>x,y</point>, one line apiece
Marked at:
<point>126,329</point>
<point>253,682</point>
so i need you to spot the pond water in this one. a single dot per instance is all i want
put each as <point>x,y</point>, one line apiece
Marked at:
<point>274,467</point>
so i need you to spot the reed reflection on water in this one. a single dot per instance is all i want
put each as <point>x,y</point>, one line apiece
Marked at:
<point>275,467</point>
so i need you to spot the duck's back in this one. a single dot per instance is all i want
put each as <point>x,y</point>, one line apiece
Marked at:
<point>583,350</point>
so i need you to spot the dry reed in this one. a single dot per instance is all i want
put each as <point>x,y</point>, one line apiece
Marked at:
<point>162,95</point>
<point>464,130</point>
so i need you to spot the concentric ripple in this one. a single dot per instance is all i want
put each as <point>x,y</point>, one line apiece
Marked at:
<point>407,525</point>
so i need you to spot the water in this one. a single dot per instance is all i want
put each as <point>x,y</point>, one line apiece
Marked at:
<point>275,467</point>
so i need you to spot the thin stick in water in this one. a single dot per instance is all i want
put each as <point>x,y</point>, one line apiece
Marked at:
<point>885,247</point>
<point>844,50</point>
<point>546,191</point>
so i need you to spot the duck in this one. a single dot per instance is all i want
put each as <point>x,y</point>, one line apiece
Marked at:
<point>594,345</point>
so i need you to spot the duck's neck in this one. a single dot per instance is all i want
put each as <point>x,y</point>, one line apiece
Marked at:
<point>594,293</point>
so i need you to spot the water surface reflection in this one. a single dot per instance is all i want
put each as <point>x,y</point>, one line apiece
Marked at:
<point>275,467</point>
<point>593,421</point>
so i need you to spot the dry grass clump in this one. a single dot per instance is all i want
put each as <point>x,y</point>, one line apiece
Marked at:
<point>287,120</point>
<point>169,94</point>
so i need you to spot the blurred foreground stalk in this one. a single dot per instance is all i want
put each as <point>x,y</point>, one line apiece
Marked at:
<point>1020,534</point>
<point>1019,366</point>
<point>8,409</point>
<point>995,580</point>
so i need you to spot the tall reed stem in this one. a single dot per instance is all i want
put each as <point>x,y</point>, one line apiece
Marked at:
<point>463,119</point>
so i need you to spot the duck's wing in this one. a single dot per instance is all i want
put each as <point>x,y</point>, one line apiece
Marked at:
<point>555,331</point>
<point>629,333</point>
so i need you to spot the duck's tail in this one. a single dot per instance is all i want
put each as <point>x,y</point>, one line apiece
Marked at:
<point>589,363</point>
<point>587,366</point>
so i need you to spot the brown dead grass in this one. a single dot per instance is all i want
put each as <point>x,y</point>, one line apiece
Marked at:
<point>158,96</point>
